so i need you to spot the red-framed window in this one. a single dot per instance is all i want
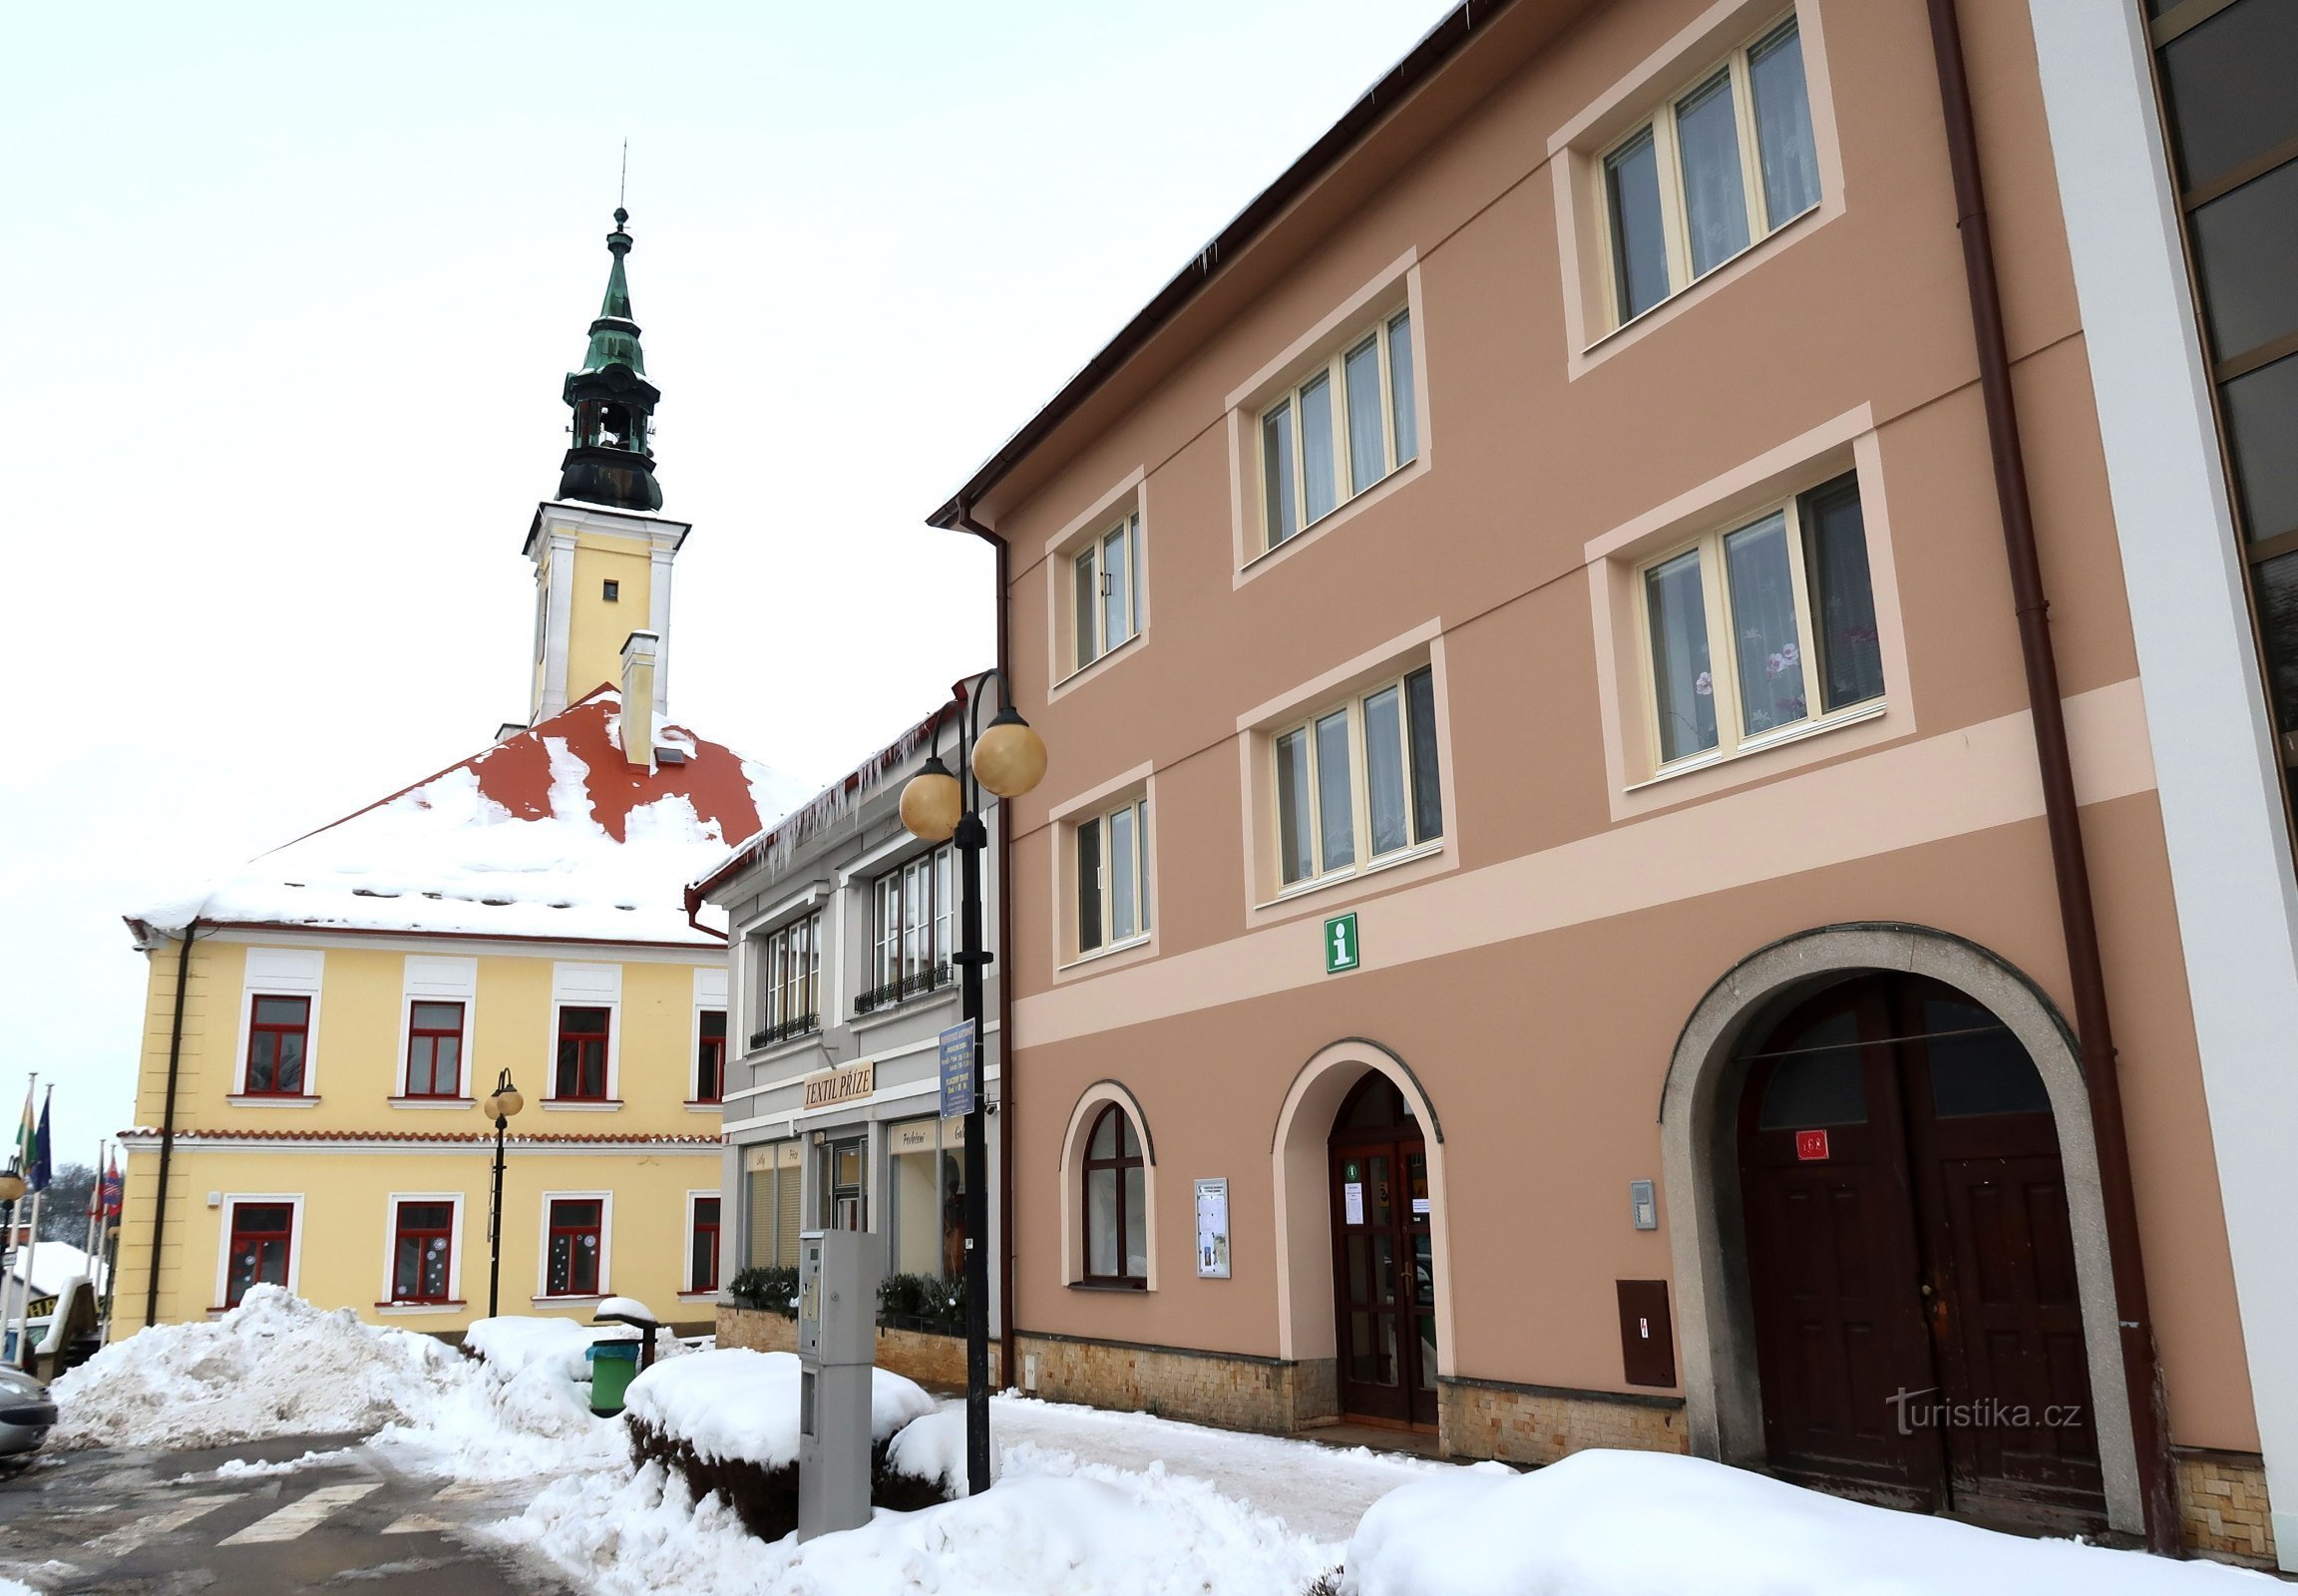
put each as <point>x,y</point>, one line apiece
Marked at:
<point>710,1057</point>
<point>581,1077</point>
<point>702,1247</point>
<point>434,1049</point>
<point>1116,1206</point>
<point>262,1236</point>
<point>577,1240</point>
<point>278,1040</point>
<point>423,1252</point>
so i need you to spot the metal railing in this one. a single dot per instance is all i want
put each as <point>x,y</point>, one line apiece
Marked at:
<point>795,1026</point>
<point>887,994</point>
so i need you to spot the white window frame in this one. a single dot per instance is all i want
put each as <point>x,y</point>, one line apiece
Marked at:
<point>1675,225</point>
<point>888,937</point>
<point>686,1285</point>
<point>1383,330</point>
<point>231,1200</point>
<point>1363,860</point>
<point>1090,641</point>
<point>1732,739</point>
<point>456,1302</point>
<point>280,973</point>
<point>765,994</point>
<point>709,996</point>
<point>575,985</point>
<point>605,1199</point>
<point>428,980</point>
<point>1137,805</point>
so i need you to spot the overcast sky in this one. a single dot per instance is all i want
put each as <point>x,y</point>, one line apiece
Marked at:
<point>289,291</point>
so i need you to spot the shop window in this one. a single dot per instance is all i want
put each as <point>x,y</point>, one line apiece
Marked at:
<point>262,1238</point>
<point>423,1252</point>
<point>581,1073</point>
<point>927,1193</point>
<point>1117,1203</point>
<point>279,1037</point>
<point>772,1176</point>
<point>434,1049</point>
<point>574,1261</point>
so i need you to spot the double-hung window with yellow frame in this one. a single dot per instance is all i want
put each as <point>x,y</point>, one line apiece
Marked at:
<point>1346,425</point>
<point>1357,783</point>
<point>1722,165</point>
<point>1106,587</point>
<point>1788,595</point>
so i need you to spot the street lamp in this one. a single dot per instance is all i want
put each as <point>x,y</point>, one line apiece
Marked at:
<point>500,1106</point>
<point>1007,758</point>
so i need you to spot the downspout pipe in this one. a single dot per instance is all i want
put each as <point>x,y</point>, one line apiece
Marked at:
<point>168,1120</point>
<point>2095,1038</point>
<point>1007,1370</point>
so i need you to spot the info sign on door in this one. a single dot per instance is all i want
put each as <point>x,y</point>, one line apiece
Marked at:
<point>1812,1147</point>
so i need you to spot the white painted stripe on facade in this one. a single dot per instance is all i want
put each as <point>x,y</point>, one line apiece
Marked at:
<point>1970,779</point>
<point>299,1518</point>
<point>2230,852</point>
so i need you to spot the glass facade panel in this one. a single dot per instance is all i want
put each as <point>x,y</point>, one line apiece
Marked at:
<point>2227,85</point>
<point>2244,245</point>
<point>2261,409</point>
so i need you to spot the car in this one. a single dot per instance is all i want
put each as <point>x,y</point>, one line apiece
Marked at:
<point>27,1413</point>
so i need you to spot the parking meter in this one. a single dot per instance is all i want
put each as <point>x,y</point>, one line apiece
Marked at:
<point>838,1274</point>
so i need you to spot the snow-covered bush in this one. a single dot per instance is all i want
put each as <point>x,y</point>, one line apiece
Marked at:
<point>726,1422</point>
<point>773,1289</point>
<point>923,1301</point>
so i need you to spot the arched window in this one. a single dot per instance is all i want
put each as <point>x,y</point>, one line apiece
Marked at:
<point>1116,1204</point>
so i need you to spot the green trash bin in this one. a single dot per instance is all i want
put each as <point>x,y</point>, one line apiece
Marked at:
<point>613,1365</point>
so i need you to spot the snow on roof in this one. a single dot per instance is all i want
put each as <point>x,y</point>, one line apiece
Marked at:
<point>54,1265</point>
<point>549,834</point>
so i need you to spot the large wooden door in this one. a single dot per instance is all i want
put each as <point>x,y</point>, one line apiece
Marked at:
<point>1911,1266</point>
<point>1383,1278</point>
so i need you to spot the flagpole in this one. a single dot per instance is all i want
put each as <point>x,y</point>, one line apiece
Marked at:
<point>43,1171</point>
<point>17,1262</point>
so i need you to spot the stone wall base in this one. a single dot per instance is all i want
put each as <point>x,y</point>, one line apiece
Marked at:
<point>1532,1425</point>
<point>1264,1394</point>
<point>756,1329</point>
<point>930,1360</point>
<point>2222,1503</point>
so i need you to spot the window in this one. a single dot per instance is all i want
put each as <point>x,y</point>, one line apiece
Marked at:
<point>434,1049</point>
<point>1348,424</point>
<point>710,1056</point>
<point>581,1074</point>
<point>277,1036</point>
<point>1359,782</point>
<point>1113,877</point>
<point>1105,580</point>
<point>262,1234</point>
<point>1788,593</point>
<point>772,1174</point>
<point>845,1197</point>
<point>912,929</point>
<point>1722,165</point>
<point>572,1262</point>
<point>702,1246</point>
<point>789,981</point>
<point>927,1190</point>
<point>612,591</point>
<point>423,1252</point>
<point>1116,1204</point>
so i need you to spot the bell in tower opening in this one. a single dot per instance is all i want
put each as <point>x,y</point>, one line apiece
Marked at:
<point>612,462</point>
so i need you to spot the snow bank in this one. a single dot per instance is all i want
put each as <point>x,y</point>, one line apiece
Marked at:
<point>1618,1523</point>
<point>511,1344</point>
<point>933,1448</point>
<point>1053,1525</point>
<point>742,1405</point>
<point>276,1365</point>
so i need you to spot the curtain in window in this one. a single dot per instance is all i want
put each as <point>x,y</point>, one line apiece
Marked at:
<point>1783,127</point>
<point>1766,642</point>
<point>1679,672</point>
<point>1715,201</point>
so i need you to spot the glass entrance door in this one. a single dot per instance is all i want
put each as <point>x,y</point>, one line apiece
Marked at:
<point>1384,1274</point>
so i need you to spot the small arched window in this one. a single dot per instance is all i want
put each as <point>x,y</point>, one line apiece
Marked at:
<point>1116,1204</point>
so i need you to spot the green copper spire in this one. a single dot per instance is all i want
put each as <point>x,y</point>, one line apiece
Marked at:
<point>612,462</point>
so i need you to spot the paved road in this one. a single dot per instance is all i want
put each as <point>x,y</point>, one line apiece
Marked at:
<point>133,1524</point>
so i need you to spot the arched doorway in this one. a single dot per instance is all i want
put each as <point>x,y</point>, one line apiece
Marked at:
<point>1383,1263</point>
<point>1911,1266</point>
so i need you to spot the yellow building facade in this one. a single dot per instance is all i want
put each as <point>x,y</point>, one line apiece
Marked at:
<point>323,1026</point>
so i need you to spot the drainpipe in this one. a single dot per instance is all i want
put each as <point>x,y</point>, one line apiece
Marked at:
<point>168,1121</point>
<point>1009,1371</point>
<point>693,910</point>
<point>2141,1370</point>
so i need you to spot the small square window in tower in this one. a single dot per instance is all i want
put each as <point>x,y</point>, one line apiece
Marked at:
<point>612,591</point>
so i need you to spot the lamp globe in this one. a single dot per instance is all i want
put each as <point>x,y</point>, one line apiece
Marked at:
<point>1010,757</point>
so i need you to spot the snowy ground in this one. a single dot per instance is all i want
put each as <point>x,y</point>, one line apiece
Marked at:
<point>1087,1503</point>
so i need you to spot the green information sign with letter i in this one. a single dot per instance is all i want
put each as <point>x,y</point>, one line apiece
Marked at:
<point>1341,949</point>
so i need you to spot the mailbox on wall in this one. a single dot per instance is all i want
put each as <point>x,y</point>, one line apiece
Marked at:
<point>1647,1338</point>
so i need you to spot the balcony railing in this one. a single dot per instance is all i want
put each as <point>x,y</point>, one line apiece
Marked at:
<point>795,1026</point>
<point>910,985</point>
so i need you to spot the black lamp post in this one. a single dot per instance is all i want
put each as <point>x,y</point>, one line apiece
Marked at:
<point>501,1105</point>
<point>11,1193</point>
<point>1008,759</point>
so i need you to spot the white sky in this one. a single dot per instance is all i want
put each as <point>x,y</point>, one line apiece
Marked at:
<point>289,293</point>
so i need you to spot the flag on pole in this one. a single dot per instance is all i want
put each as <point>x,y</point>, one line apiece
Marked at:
<point>40,1171</point>
<point>109,1190</point>
<point>27,1133</point>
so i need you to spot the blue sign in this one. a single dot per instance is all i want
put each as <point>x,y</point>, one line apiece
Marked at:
<point>960,1090</point>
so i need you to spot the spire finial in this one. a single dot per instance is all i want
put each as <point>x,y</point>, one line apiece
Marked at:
<point>622,188</point>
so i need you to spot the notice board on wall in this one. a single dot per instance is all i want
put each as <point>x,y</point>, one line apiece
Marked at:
<point>1212,1228</point>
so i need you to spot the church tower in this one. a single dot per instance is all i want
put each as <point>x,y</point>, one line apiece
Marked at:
<point>602,560</point>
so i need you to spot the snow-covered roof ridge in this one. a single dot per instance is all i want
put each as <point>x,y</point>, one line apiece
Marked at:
<point>549,834</point>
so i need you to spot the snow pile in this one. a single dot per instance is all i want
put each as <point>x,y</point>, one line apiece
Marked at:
<point>733,1404</point>
<point>510,1345</point>
<point>933,1448</point>
<point>1053,1525</point>
<point>254,1469</point>
<point>1619,1523</point>
<point>276,1365</point>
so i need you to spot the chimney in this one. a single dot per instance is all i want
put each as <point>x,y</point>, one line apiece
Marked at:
<point>639,654</point>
